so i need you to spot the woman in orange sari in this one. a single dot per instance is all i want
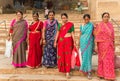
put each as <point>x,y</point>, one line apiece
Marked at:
<point>35,42</point>
<point>65,40</point>
<point>104,37</point>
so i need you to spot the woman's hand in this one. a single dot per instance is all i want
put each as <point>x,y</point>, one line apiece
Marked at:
<point>44,42</point>
<point>96,49</point>
<point>41,42</point>
<point>8,38</point>
<point>55,44</point>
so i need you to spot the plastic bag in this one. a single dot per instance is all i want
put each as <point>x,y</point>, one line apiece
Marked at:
<point>75,59</point>
<point>8,49</point>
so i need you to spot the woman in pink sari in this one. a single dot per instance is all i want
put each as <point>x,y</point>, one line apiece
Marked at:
<point>104,37</point>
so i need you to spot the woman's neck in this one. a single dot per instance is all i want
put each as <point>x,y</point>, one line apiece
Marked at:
<point>65,22</point>
<point>105,21</point>
<point>51,20</point>
<point>36,20</point>
<point>19,19</point>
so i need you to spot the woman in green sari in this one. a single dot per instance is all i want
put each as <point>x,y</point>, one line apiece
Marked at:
<point>86,45</point>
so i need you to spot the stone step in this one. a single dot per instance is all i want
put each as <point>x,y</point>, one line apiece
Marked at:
<point>24,77</point>
<point>7,68</point>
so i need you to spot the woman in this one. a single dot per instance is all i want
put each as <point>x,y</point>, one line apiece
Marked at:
<point>86,45</point>
<point>65,39</point>
<point>35,42</point>
<point>104,37</point>
<point>18,31</point>
<point>50,29</point>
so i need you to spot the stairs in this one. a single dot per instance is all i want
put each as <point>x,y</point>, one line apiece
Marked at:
<point>73,17</point>
<point>8,73</point>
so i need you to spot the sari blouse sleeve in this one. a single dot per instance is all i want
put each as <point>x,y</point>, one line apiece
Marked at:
<point>40,26</point>
<point>59,26</point>
<point>45,24</point>
<point>71,30</point>
<point>11,25</point>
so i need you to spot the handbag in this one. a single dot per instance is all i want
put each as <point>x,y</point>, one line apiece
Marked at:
<point>8,49</point>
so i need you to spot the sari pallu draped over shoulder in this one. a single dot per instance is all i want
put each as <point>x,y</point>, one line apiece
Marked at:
<point>86,46</point>
<point>65,46</point>
<point>19,35</point>
<point>35,49</point>
<point>50,53</point>
<point>104,34</point>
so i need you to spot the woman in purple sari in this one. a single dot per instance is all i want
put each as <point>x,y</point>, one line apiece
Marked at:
<point>50,52</point>
<point>18,32</point>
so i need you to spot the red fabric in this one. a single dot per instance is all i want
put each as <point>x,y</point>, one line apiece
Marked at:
<point>65,46</point>
<point>11,25</point>
<point>64,55</point>
<point>64,29</point>
<point>75,60</point>
<point>35,49</point>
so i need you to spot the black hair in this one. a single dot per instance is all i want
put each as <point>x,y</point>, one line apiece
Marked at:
<point>35,13</point>
<point>19,12</point>
<point>86,15</point>
<point>51,12</point>
<point>105,13</point>
<point>64,14</point>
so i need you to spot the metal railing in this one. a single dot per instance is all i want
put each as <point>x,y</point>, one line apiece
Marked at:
<point>4,23</point>
<point>115,23</point>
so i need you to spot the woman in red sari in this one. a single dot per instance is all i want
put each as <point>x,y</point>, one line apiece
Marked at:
<point>65,40</point>
<point>35,42</point>
<point>104,37</point>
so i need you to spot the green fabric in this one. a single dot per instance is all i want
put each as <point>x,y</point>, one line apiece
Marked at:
<point>71,30</point>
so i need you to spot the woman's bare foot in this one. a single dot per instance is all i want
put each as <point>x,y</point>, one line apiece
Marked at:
<point>89,76</point>
<point>68,75</point>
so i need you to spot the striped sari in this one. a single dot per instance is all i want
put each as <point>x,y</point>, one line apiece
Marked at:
<point>86,45</point>
<point>19,35</point>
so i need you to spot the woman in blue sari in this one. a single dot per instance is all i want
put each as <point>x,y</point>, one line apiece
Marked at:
<point>49,33</point>
<point>86,45</point>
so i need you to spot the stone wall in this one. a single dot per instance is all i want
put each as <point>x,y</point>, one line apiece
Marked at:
<point>111,6</point>
<point>5,2</point>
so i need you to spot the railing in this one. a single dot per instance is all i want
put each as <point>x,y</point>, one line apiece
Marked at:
<point>115,23</point>
<point>4,23</point>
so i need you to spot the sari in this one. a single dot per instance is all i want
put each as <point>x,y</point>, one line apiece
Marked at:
<point>50,52</point>
<point>65,47</point>
<point>19,35</point>
<point>35,49</point>
<point>86,47</point>
<point>104,36</point>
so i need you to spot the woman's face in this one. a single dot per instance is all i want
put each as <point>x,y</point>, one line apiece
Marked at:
<point>86,19</point>
<point>19,16</point>
<point>64,19</point>
<point>51,16</point>
<point>106,18</point>
<point>35,17</point>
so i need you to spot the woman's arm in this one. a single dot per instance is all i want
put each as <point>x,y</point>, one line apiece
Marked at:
<point>73,36</point>
<point>43,35</point>
<point>56,39</point>
<point>11,29</point>
<point>79,39</point>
